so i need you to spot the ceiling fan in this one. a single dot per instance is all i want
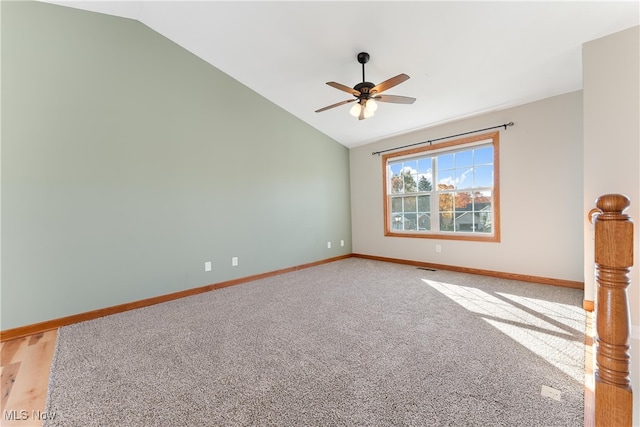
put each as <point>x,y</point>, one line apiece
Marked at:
<point>366,93</point>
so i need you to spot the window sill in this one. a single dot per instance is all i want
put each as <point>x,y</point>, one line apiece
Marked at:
<point>472,237</point>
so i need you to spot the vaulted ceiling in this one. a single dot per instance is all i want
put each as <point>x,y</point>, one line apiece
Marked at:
<point>464,58</point>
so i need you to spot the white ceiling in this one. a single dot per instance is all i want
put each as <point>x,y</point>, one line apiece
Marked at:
<point>464,58</point>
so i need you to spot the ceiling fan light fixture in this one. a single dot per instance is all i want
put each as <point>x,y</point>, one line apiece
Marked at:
<point>367,113</point>
<point>371,105</point>
<point>362,108</point>
<point>355,110</point>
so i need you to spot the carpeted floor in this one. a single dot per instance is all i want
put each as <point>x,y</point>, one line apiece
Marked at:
<point>351,343</point>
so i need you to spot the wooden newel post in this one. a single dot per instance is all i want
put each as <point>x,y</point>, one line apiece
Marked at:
<point>613,258</point>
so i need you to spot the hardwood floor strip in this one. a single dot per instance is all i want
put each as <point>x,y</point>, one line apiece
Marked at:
<point>29,392</point>
<point>11,349</point>
<point>34,339</point>
<point>9,374</point>
<point>499,274</point>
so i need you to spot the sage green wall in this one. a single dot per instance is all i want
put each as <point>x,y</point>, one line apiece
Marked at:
<point>128,162</point>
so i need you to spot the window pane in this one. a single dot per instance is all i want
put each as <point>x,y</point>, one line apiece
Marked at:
<point>445,202</point>
<point>424,165</point>
<point>484,220</point>
<point>395,168</point>
<point>410,221</point>
<point>446,179</point>
<point>482,200</point>
<point>446,221</point>
<point>415,180</point>
<point>424,203</point>
<point>424,221</point>
<point>464,221</point>
<point>476,216</point>
<point>397,222</point>
<point>483,207</point>
<point>445,161</point>
<point>464,178</point>
<point>464,201</point>
<point>424,183</point>
<point>464,158</point>
<point>411,166</point>
<point>410,204</point>
<point>396,184</point>
<point>409,180</point>
<point>483,176</point>
<point>396,204</point>
<point>425,174</point>
<point>483,155</point>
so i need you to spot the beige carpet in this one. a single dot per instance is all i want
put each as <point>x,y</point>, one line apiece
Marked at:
<point>350,343</point>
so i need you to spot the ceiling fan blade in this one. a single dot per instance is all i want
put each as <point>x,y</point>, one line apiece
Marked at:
<point>347,89</point>
<point>388,84</point>
<point>395,99</point>
<point>337,104</point>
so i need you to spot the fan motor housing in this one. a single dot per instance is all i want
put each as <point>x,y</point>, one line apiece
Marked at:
<point>364,89</point>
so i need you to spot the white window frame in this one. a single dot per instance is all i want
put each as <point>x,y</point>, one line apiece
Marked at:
<point>453,146</point>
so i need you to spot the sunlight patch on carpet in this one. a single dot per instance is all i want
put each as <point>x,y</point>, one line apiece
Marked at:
<point>548,329</point>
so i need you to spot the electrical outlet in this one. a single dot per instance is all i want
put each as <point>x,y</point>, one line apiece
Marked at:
<point>551,392</point>
<point>341,242</point>
<point>234,261</point>
<point>207,266</point>
<point>438,248</point>
<point>328,245</point>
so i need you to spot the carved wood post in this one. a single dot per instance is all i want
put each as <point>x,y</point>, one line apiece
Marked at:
<point>613,257</point>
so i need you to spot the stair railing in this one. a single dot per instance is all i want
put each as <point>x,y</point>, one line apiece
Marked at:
<point>613,258</point>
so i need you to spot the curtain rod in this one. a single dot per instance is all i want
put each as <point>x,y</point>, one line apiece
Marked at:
<point>444,137</point>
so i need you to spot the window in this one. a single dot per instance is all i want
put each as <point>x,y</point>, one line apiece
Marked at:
<point>445,191</point>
